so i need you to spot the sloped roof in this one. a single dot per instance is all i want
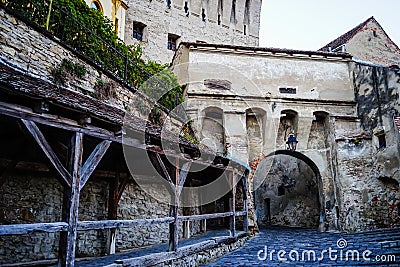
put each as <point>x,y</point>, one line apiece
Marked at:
<point>345,38</point>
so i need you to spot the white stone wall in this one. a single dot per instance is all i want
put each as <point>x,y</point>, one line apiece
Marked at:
<point>161,21</point>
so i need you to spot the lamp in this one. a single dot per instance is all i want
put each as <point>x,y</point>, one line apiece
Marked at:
<point>292,142</point>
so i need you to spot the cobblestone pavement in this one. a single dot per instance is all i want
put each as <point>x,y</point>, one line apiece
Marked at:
<point>297,246</point>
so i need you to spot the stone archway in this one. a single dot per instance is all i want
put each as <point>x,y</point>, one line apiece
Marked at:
<point>290,193</point>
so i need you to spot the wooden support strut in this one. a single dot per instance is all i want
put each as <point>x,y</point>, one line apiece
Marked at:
<point>45,146</point>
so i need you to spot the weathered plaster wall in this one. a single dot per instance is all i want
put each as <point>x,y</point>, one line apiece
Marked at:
<point>161,21</point>
<point>372,44</point>
<point>291,188</point>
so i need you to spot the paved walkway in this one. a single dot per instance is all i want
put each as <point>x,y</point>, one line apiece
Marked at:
<point>297,247</point>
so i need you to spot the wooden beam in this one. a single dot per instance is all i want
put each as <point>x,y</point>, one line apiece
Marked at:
<point>92,161</point>
<point>117,224</point>
<point>45,146</point>
<point>20,229</point>
<point>204,216</point>
<point>68,259</point>
<point>164,169</point>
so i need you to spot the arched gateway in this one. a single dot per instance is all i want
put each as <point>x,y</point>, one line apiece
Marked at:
<point>288,191</point>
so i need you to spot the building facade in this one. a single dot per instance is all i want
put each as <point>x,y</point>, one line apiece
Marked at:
<point>114,10</point>
<point>160,25</point>
<point>368,41</point>
<point>343,174</point>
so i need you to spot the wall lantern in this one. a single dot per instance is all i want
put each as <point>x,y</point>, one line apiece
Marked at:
<point>292,142</point>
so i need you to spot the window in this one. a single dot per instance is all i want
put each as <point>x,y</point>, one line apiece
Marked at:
<point>287,90</point>
<point>220,10</point>
<point>203,14</point>
<point>138,29</point>
<point>172,41</point>
<point>382,141</point>
<point>96,5</point>
<point>186,8</point>
<point>168,3</point>
<point>244,30</point>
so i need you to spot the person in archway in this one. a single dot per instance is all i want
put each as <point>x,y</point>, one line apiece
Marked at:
<point>292,142</point>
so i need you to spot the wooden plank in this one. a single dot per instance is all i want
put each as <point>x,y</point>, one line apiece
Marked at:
<point>59,122</point>
<point>20,229</point>
<point>76,159</point>
<point>173,228</point>
<point>45,146</point>
<point>92,161</point>
<point>240,213</point>
<point>109,224</point>
<point>204,216</point>
<point>31,263</point>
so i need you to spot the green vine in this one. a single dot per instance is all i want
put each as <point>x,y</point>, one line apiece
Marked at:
<point>67,70</point>
<point>69,29</point>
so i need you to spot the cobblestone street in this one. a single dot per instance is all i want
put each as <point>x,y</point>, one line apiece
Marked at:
<point>296,247</point>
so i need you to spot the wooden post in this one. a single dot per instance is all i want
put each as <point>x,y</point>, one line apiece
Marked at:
<point>115,193</point>
<point>173,227</point>
<point>245,205</point>
<point>232,204</point>
<point>112,212</point>
<point>76,163</point>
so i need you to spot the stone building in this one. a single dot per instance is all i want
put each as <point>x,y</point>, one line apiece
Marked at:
<point>367,41</point>
<point>344,173</point>
<point>114,10</point>
<point>160,25</point>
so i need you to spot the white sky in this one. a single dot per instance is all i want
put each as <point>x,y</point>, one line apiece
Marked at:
<point>311,24</point>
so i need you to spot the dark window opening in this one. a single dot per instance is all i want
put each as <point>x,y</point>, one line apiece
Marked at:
<point>233,12</point>
<point>287,90</point>
<point>374,33</point>
<point>281,190</point>
<point>382,141</point>
<point>203,15</point>
<point>169,3</point>
<point>244,30</point>
<point>172,40</point>
<point>219,19</point>
<point>220,11</point>
<point>138,29</point>
<point>186,8</point>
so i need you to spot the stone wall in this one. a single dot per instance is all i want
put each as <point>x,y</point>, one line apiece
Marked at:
<point>36,54</point>
<point>159,21</point>
<point>289,194</point>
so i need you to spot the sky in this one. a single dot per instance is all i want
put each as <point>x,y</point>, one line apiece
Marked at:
<point>311,24</point>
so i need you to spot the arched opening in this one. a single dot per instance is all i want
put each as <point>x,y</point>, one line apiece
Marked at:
<point>288,191</point>
<point>287,125</point>
<point>212,131</point>
<point>97,6</point>
<point>255,127</point>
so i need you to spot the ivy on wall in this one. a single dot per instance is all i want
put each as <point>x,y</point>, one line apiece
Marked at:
<point>89,32</point>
